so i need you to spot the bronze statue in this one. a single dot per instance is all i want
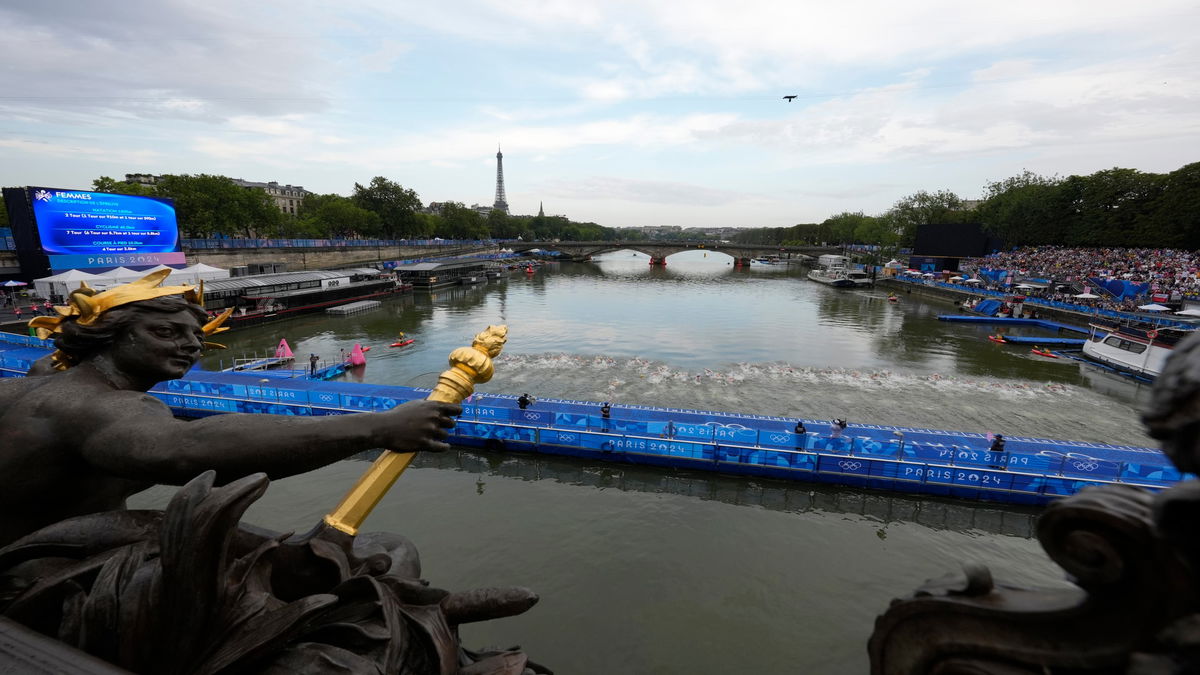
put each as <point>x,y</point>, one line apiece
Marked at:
<point>1130,553</point>
<point>189,590</point>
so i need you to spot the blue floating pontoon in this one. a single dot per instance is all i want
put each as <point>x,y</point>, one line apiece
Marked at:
<point>1008,321</point>
<point>907,459</point>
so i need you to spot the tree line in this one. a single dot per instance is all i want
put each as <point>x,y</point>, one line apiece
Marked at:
<point>210,206</point>
<point>1113,207</point>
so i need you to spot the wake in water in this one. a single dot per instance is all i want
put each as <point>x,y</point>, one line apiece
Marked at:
<point>1014,408</point>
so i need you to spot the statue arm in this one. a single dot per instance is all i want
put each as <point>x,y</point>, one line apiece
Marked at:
<point>139,439</point>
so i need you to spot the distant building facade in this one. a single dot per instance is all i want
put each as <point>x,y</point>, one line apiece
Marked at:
<point>287,198</point>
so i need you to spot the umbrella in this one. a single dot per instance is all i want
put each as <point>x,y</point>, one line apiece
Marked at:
<point>1087,295</point>
<point>1025,286</point>
<point>1153,307</point>
<point>955,278</point>
<point>972,281</point>
<point>12,282</point>
<point>1189,312</point>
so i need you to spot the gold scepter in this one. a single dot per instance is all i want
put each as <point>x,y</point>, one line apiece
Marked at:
<point>468,367</point>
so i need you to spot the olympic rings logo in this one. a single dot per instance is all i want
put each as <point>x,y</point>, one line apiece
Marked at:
<point>848,465</point>
<point>567,438</point>
<point>532,416</point>
<point>778,438</point>
<point>1085,466</point>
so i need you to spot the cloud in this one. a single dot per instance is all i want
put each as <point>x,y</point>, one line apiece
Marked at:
<point>641,191</point>
<point>147,58</point>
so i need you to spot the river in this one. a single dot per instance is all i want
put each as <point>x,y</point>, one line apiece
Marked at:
<point>660,571</point>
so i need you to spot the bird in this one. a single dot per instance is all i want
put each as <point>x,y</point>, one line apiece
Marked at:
<point>789,98</point>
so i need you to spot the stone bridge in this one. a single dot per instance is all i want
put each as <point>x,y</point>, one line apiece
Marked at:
<point>660,250</point>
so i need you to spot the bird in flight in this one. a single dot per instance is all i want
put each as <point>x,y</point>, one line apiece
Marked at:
<point>789,98</point>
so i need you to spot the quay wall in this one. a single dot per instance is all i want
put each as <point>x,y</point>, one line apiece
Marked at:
<point>301,259</point>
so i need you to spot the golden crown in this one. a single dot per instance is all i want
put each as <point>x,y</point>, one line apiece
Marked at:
<point>87,306</point>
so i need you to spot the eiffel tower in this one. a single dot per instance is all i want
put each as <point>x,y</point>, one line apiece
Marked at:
<point>501,201</point>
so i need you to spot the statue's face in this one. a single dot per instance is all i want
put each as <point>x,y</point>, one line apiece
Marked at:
<point>159,346</point>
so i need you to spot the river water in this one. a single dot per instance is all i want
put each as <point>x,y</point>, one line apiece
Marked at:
<point>661,571</point>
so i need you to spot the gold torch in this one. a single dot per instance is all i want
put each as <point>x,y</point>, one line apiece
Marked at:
<point>468,367</point>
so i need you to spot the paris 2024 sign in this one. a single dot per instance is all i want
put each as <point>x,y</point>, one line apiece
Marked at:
<point>81,229</point>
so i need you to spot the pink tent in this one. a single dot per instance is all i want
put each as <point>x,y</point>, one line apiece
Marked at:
<point>357,358</point>
<point>283,351</point>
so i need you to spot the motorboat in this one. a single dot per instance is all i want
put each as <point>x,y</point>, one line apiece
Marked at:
<point>860,278</point>
<point>1137,348</point>
<point>832,276</point>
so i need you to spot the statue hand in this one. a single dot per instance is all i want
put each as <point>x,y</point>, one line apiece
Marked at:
<point>418,425</point>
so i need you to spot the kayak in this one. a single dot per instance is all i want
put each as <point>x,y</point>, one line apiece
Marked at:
<point>1001,340</point>
<point>893,299</point>
<point>1043,352</point>
<point>402,343</point>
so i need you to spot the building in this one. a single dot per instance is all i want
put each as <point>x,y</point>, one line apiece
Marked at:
<point>287,198</point>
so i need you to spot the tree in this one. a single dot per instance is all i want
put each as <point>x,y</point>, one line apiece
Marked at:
<point>335,216</point>
<point>922,208</point>
<point>209,205</point>
<point>1024,209</point>
<point>1174,212</point>
<point>111,185</point>
<point>395,205</point>
<point>460,222</point>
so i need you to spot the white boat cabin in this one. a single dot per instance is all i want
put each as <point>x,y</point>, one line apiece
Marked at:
<point>833,261</point>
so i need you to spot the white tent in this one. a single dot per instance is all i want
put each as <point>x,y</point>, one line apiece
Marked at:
<point>201,271</point>
<point>1086,295</point>
<point>1153,307</point>
<point>972,281</point>
<point>1025,286</point>
<point>63,283</point>
<point>123,274</point>
<point>1189,312</point>
<point>956,278</point>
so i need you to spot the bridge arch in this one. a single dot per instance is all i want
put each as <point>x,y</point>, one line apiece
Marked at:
<point>660,250</point>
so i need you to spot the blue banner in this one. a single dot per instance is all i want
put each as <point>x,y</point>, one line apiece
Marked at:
<point>1119,288</point>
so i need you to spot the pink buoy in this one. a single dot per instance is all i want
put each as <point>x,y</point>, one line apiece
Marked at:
<point>356,357</point>
<point>283,351</point>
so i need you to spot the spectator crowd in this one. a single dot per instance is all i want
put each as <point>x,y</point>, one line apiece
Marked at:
<point>1169,272</point>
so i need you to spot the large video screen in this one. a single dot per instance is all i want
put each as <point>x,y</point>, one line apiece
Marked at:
<point>959,240</point>
<point>96,229</point>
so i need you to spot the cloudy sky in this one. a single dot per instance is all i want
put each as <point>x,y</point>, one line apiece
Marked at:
<point>654,112</point>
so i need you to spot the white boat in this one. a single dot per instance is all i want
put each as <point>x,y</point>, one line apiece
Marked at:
<point>836,271</point>
<point>1140,349</point>
<point>860,278</point>
<point>832,276</point>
